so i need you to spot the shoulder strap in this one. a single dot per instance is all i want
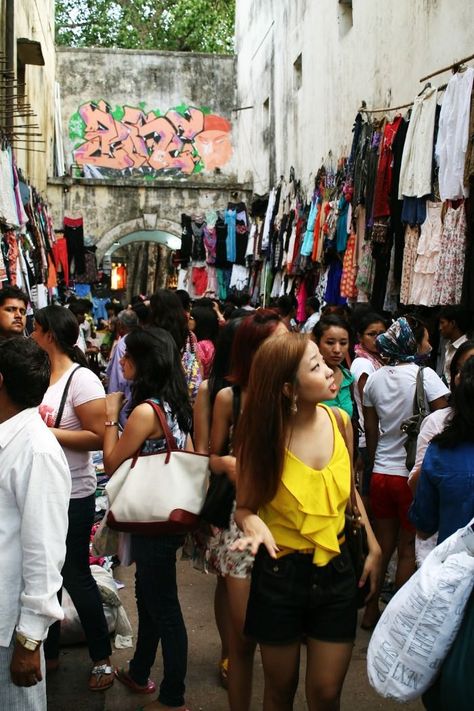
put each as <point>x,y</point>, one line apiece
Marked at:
<point>341,427</point>
<point>62,404</point>
<point>236,400</point>
<point>419,408</point>
<point>171,443</point>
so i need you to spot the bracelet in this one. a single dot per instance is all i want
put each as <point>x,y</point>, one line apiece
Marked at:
<point>111,423</point>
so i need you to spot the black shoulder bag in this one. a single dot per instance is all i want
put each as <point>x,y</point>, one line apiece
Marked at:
<point>221,492</point>
<point>411,426</point>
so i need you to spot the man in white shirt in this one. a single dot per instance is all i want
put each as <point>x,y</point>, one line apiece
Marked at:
<point>454,321</point>
<point>35,486</point>
<point>313,314</point>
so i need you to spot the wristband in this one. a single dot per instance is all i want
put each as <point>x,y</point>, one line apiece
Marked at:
<point>111,423</point>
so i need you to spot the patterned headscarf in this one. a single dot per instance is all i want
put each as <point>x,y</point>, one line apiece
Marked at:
<point>398,344</point>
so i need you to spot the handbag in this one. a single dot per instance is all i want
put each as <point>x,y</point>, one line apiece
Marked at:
<point>354,530</point>
<point>162,493</point>
<point>220,496</point>
<point>411,426</point>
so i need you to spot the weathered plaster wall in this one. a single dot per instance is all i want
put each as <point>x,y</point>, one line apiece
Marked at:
<point>306,65</point>
<point>150,82</point>
<point>35,21</point>
<point>115,201</point>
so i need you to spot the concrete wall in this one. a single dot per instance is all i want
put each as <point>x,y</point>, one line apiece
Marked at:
<point>306,65</point>
<point>35,21</point>
<point>118,118</point>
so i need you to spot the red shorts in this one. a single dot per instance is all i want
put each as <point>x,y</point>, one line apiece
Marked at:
<point>390,497</point>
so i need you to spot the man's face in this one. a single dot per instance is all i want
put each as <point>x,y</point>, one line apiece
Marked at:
<point>12,318</point>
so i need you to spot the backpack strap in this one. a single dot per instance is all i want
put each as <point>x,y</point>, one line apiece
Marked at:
<point>62,404</point>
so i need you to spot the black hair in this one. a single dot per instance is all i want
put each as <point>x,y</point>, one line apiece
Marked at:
<point>13,292</point>
<point>77,308</point>
<point>64,326</point>
<point>327,322</point>
<point>166,311</point>
<point>459,314</point>
<point>206,323</point>
<point>221,363</point>
<point>25,369</point>
<point>159,372</point>
<point>454,365</point>
<point>313,303</point>
<point>204,302</point>
<point>418,327</point>
<point>460,427</point>
<point>115,307</point>
<point>142,311</point>
<point>286,304</point>
<point>185,299</point>
<point>367,319</point>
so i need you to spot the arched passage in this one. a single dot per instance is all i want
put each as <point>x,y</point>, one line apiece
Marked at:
<point>150,227</point>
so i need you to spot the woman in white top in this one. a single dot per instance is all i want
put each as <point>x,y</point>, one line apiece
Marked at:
<point>74,408</point>
<point>389,396</point>
<point>367,360</point>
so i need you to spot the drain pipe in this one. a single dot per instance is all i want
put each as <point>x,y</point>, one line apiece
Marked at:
<point>10,61</point>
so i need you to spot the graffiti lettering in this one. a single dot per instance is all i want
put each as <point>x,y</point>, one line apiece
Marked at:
<point>133,142</point>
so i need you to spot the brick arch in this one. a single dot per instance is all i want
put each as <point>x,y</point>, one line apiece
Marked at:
<point>149,222</point>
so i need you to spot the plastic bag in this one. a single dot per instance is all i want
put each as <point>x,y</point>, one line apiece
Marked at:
<point>419,625</point>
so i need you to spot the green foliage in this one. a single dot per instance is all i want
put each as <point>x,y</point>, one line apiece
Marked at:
<point>171,25</point>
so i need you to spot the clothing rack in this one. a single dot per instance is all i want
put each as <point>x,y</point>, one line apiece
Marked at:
<point>455,67</point>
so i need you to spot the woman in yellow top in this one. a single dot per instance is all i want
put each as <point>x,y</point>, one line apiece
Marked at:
<point>294,470</point>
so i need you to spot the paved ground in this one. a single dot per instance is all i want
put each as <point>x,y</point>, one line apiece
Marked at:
<point>67,688</point>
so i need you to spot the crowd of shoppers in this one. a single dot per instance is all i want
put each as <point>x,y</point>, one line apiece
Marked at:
<point>289,414</point>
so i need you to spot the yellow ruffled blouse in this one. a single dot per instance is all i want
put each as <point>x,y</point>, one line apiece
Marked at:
<point>308,511</point>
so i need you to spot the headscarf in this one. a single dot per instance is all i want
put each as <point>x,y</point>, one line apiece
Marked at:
<point>398,343</point>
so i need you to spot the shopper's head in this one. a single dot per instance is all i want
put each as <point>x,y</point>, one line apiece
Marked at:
<point>369,327</point>
<point>127,320</point>
<point>332,336</point>
<point>405,341</point>
<point>24,372</point>
<point>206,323</point>
<point>287,373</point>
<point>13,304</point>
<point>251,333</point>
<point>454,321</point>
<point>166,311</point>
<point>57,329</point>
<point>312,306</point>
<point>221,362</point>
<point>460,427</point>
<point>465,351</point>
<point>151,360</point>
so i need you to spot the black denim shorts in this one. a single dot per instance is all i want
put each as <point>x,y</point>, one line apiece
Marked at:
<point>291,597</point>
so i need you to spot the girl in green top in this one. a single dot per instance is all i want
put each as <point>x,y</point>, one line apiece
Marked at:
<point>331,335</point>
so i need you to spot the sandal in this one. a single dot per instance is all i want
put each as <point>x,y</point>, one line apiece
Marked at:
<point>224,672</point>
<point>123,676</point>
<point>97,672</point>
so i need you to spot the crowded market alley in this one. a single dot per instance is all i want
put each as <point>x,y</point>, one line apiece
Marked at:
<point>236,355</point>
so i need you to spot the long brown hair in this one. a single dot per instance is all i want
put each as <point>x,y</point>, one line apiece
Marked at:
<point>252,331</point>
<point>263,427</point>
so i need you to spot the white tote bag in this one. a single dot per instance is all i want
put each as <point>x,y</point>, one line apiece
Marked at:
<point>420,623</point>
<point>153,494</point>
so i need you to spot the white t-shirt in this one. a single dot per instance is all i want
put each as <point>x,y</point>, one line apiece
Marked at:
<point>431,426</point>
<point>359,367</point>
<point>85,387</point>
<point>391,391</point>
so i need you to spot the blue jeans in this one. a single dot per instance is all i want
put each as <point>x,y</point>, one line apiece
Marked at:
<point>81,586</point>
<point>159,616</point>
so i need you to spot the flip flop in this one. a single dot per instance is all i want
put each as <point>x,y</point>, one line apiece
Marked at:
<point>124,677</point>
<point>97,672</point>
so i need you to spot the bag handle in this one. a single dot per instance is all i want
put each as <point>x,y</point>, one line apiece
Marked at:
<point>341,427</point>
<point>64,397</point>
<point>419,405</point>
<point>171,444</point>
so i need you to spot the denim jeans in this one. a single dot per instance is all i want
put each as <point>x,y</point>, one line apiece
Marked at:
<point>81,586</point>
<point>159,616</point>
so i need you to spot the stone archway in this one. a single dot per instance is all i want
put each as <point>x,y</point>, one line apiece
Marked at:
<point>148,223</point>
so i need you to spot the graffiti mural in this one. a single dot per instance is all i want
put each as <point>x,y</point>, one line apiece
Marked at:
<point>131,141</point>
